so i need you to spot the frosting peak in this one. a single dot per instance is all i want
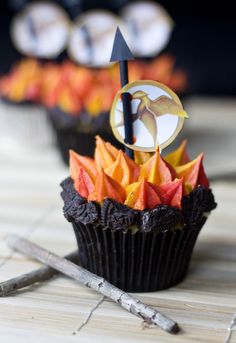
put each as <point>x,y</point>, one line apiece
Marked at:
<point>193,174</point>
<point>172,193</point>
<point>124,170</point>
<point>156,170</point>
<point>142,195</point>
<point>105,153</point>
<point>106,187</point>
<point>179,156</point>
<point>83,184</point>
<point>87,163</point>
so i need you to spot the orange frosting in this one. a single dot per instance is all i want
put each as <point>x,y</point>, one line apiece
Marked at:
<point>142,195</point>
<point>193,174</point>
<point>156,170</point>
<point>105,153</point>
<point>106,187</point>
<point>112,174</point>
<point>179,156</point>
<point>124,170</point>
<point>83,183</point>
<point>87,163</point>
<point>74,88</point>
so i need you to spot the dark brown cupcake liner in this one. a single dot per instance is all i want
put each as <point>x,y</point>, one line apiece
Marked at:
<point>136,250</point>
<point>8,101</point>
<point>74,132</point>
<point>136,262</point>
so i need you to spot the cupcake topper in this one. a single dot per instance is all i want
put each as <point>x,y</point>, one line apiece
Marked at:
<point>145,114</point>
<point>122,53</point>
<point>40,29</point>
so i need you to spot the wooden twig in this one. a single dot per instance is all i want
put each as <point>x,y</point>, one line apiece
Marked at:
<point>36,276</point>
<point>230,329</point>
<point>93,281</point>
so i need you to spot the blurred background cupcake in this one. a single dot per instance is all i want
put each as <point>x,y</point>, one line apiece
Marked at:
<point>38,29</point>
<point>79,99</point>
<point>71,76</point>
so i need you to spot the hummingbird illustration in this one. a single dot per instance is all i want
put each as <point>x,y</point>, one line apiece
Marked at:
<point>148,110</point>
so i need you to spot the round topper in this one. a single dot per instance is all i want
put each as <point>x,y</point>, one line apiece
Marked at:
<point>149,26</point>
<point>157,115</point>
<point>92,36</point>
<point>41,29</point>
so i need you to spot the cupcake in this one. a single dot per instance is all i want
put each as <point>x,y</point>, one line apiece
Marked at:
<point>136,222</point>
<point>24,120</point>
<point>79,99</point>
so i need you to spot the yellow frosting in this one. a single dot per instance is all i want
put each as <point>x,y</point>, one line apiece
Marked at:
<point>112,174</point>
<point>179,156</point>
<point>123,170</point>
<point>142,195</point>
<point>156,170</point>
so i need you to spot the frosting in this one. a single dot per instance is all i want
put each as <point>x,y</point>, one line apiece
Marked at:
<point>156,170</point>
<point>179,156</point>
<point>83,183</point>
<point>193,174</point>
<point>106,187</point>
<point>75,89</point>
<point>117,216</point>
<point>141,157</point>
<point>105,153</point>
<point>158,181</point>
<point>172,192</point>
<point>124,170</point>
<point>142,195</point>
<point>87,163</point>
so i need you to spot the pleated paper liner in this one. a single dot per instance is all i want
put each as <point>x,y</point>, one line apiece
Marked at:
<point>136,262</point>
<point>78,132</point>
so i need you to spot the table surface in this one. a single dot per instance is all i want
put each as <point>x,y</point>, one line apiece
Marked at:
<point>61,310</point>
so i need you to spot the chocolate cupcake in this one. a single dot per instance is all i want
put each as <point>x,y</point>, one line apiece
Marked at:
<point>77,132</point>
<point>136,224</point>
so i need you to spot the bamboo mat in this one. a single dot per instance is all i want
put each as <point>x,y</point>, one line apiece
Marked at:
<point>63,311</point>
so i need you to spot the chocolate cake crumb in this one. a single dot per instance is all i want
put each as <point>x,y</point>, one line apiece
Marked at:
<point>69,193</point>
<point>196,204</point>
<point>88,213</point>
<point>72,201</point>
<point>118,216</point>
<point>67,184</point>
<point>161,218</point>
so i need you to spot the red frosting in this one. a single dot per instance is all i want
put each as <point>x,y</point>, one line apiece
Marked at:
<point>112,174</point>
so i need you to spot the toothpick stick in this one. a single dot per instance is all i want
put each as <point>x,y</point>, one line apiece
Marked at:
<point>93,281</point>
<point>122,54</point>
<point>28,279</point>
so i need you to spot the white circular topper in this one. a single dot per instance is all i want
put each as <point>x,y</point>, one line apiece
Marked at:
<point>149,26</point>
<point>92,36</point>
<point>157,115</point>
<point>41,29</point>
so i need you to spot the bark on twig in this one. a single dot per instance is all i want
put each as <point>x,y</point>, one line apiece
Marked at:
<point>36,276</point>
<point>95,282</point>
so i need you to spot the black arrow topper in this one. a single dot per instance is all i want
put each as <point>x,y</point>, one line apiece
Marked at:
<point>121,53</point>
<point>120,50</point>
